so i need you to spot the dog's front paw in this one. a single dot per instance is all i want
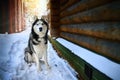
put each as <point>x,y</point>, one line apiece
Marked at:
<point>48,67</point>
<point>39,69</point>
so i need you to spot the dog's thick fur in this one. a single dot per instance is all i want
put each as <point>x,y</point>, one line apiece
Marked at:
<point>37,44</point>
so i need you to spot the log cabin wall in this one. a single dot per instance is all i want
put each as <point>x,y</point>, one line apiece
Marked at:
<point>92,24</point>
<point>4,16</point>
<point>11,16</point>
<point>54,6</point>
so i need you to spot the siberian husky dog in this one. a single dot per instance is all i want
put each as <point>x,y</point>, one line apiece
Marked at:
<point>37,44</point>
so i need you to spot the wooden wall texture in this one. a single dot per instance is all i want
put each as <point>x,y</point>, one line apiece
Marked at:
<point>92,24</point>
<point>11,16</point>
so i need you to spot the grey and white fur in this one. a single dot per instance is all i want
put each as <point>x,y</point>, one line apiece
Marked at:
<point>37,44</point>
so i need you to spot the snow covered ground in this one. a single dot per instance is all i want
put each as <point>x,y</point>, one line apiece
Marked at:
<point>101,63</point>
<point>13,66</point>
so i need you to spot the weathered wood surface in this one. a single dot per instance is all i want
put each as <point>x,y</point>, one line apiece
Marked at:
<point>109,12</point>
<point>110,31</point>
<point>95,22</point>
<point>106,48</point>
<point>68,4</point>
<point>84,6</point>
<point>12,16</point>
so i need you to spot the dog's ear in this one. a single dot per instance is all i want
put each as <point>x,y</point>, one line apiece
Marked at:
<point>35,18</point>
<point>45,18</point>
<point>44,21</point>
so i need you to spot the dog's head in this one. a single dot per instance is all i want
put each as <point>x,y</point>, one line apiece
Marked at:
<point>40,27</point>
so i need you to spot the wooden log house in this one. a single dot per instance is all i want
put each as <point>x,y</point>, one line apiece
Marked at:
<point>91,24</point>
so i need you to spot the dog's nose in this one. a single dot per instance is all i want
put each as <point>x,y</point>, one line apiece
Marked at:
<point>40,29</point>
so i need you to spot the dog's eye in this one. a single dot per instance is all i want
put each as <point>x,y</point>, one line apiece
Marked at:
<point>42,23</point>
<point>37,24</point>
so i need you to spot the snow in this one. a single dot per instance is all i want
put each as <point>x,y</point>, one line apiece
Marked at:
<point>101,63</point>
<point>13,66</point>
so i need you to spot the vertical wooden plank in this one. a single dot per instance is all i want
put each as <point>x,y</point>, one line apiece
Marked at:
<point>3,19</point>
<point>16,16</point>
<point>10,14</point>
<point>54,19</point>
<point>7,22</point>
<point>4,15</point>
<point>13,18</point>
<point>22,15</point>
<point>19,18</point>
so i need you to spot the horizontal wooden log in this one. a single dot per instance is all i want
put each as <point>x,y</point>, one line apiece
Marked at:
<point>86,6</point>
<point>54,25</point>
<point>68,4</point>
<point>63,2</point>
<point>54,4</point>
<point>54,32</point>
<point>110,31</point>
<point>55,19</point>
<point>102,15</point>
<point>55,12</point>
<point>105,48</point>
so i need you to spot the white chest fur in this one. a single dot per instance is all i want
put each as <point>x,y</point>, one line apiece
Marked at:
<point>40,49</point>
